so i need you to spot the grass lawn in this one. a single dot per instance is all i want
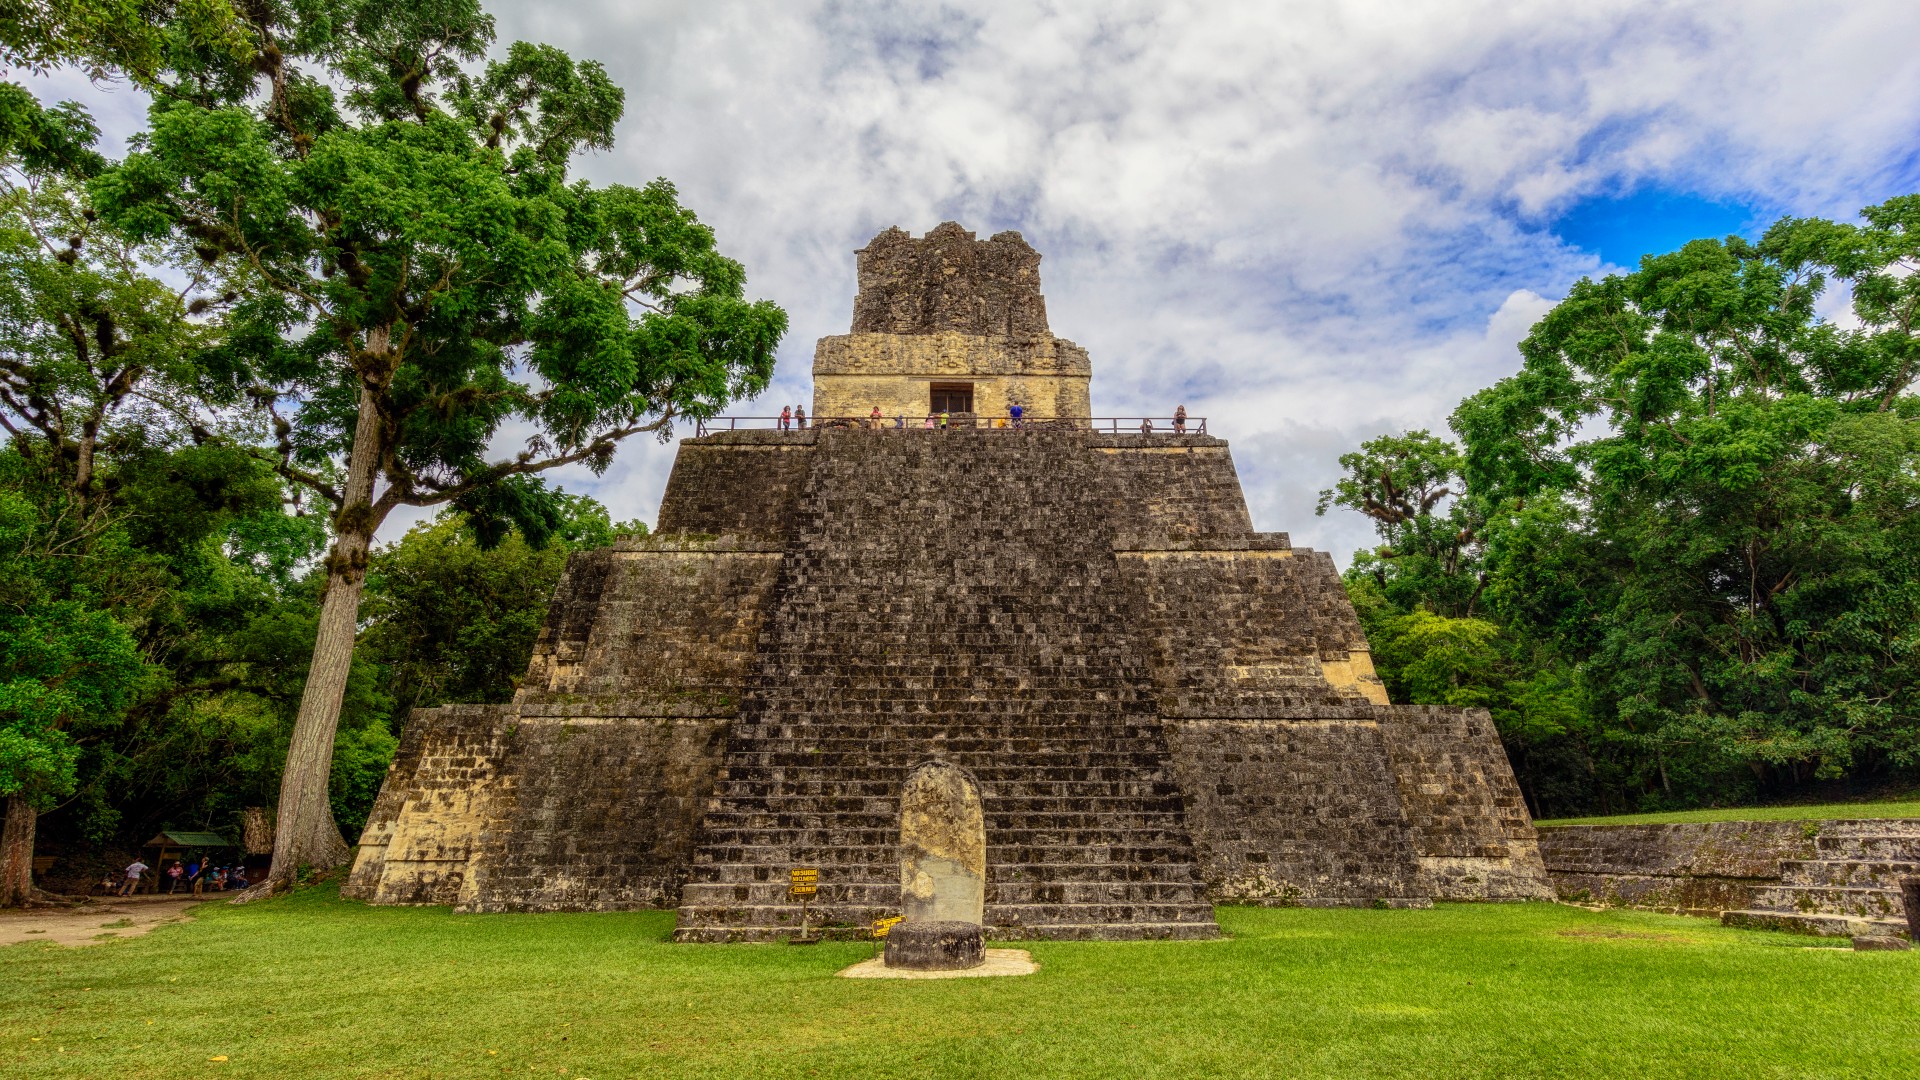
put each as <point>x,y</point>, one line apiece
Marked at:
<point>1904,808</point>
<point>311,987</point>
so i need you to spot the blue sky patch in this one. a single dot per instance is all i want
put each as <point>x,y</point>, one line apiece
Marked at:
<point>1650,221</point>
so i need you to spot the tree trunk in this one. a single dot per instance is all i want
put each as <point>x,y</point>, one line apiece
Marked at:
<point>16,852</point>
<point>305,833</point>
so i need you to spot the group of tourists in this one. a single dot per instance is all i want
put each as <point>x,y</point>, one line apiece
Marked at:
<point>197,875</point>
<point>1179,422</point>
<point>790,415</point>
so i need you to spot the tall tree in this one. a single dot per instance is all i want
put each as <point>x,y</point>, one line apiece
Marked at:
<point>1712,495</point>
<point>1410,486</point>
<point>451,618</point>
<point>422,280</point>
<point>97,357</point>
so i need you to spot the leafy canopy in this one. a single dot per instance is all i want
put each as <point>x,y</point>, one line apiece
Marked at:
<point>399,222</point>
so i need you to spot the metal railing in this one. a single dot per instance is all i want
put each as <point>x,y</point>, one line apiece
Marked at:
<point>1117,425</point>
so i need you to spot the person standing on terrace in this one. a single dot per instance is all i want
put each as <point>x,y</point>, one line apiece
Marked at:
<point>786,418</point>
<point>1180,420</point>
<point>1014,412</point>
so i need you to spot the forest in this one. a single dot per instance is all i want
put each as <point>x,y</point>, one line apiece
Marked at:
<point>345,271</point>
<point>1676,553</point>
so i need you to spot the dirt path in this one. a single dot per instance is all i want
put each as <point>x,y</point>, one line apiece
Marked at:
<point>104,920</point>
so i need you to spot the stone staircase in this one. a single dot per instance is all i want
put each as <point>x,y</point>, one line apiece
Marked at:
<point>911,625</point>
<point>1850,887</point>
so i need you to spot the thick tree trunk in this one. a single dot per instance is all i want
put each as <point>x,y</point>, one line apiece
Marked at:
<point>16,852</point>
<point>305,832</point>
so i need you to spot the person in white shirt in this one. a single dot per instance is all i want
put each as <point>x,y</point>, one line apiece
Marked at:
<point>134,870</point>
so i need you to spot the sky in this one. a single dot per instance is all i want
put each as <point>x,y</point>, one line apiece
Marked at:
<point>1312,223</point>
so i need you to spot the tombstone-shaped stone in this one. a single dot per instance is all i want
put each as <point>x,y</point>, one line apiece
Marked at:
<point>943,846</point>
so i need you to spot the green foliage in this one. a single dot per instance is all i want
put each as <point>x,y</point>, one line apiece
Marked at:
<point>1695,508</point>
<point>65,670</point>
<point>1410,486</point>
<point>453,618</point>
<point>105,39</point>
<point>398,218</point>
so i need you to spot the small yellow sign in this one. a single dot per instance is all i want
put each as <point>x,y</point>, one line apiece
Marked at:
<point>803,881</point>
<point>881,926</point>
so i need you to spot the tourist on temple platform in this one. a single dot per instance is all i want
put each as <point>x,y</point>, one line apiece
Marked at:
<point>134,870</point>
<point>1146,425</point>
<point>800,417</point>
<point>1180,420</point>
<point>929,424</point>
<point>174,872</point>
<point>786,418</point>
<point>873,421</point>
<point>944,417</point>
<point>1014,412</point>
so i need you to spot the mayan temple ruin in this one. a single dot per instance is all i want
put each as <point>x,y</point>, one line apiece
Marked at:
<point>1162,707</point>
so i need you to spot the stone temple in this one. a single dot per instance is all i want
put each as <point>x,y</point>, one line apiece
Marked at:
<point>1163,708</point>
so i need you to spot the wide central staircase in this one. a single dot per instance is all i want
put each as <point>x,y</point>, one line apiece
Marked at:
<point>924,613</point>
<point>1850,887</point>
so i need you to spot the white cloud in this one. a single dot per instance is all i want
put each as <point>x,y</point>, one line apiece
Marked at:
<point>1313,222</point>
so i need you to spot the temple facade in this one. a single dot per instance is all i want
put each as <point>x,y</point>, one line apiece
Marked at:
<point>1163,707</point>
<point>949,324</point>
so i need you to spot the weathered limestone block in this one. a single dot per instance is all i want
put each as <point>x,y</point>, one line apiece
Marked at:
<point>1694,868</point>
<point>1296,812</point>
<point>943,846</point>
<point>936,946</point>
<point>948,281</point>
<point>671,633</point>
<point>1468,821</point>
<point>853,373</point>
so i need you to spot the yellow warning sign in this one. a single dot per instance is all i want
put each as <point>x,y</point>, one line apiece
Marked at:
<point>803,881</point>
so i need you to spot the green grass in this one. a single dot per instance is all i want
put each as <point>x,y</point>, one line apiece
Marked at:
<point>313,987</point>
<point>1902,808</point>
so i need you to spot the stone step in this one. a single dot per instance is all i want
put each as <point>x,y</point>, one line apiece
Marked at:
<point>888,872</point>
<point>1817,900</point>
<point>1017,917</point>
<point>885,893</point>
<point>830,855</point>
<point>1889,827</point>
<point>1847,872</point>
<point>862,765</point>
<point>1138,931</point>
<point>764,781</point>
<point>1096,831</point>
<point>786,810</point>
<point>982,753</point>
<point>797,781</point>
<point>1868,848</point>
<point>1819,925</point>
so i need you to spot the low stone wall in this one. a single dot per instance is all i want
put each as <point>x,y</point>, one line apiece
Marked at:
<point>1693,869</point>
